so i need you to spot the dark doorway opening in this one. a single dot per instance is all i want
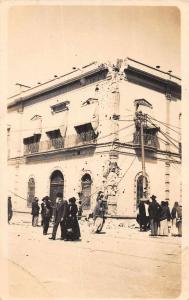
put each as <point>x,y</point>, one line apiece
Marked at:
<point>56,185</point>
<point>86,191</point>
<point>140,192</point>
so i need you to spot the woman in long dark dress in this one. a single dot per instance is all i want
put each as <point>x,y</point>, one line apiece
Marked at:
<point>72,225</point>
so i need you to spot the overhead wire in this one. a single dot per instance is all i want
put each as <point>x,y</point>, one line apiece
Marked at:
<point>163,123</point>
<point>165,135</point>
<point>149,119</point>
<point>126,170</point>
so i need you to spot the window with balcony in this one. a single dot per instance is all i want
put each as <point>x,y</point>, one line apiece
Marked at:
<point>32,143</point>
<point>85,132</point>
<point>55,138</point>
<point>150,137</point>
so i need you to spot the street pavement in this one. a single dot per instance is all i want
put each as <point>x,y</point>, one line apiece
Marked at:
<point>121,262</point>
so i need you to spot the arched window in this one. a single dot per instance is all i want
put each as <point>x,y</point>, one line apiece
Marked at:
<point>56,184</point>
<point>86,191</point>
<point>31,191</point>
<point>140,188</point>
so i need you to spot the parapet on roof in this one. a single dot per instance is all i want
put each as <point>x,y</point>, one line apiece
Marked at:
<point>129,66</point>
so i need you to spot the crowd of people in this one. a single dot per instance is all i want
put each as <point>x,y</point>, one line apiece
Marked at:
<point>65,214</point>
<point>158,218</point>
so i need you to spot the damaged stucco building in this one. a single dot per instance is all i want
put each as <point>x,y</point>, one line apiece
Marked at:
<point>79,133</point>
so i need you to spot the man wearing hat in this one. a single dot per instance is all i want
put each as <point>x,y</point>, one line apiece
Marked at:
<point>154,210</point>
<point>60,215</point>
<point>35,212</point>
<point>10,213</point>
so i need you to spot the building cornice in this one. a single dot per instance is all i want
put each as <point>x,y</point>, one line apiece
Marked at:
<point>128,149</point>
<point>154,82</point>
<point>51,86</point>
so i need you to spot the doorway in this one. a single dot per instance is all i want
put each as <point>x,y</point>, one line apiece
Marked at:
<point>56,185</point>
<point>86,191</point>
<point>140,188</point>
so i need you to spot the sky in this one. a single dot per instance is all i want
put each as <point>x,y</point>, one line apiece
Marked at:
<point>48,40</point>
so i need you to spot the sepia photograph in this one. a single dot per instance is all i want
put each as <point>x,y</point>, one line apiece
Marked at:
<point>94,149</point>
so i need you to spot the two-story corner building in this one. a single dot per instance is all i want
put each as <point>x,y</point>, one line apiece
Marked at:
<point>102,127</point>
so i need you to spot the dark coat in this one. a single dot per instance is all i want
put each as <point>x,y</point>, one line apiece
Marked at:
<point>179,212</point>
<point>46,209</point>
<point>10,213</point>
<point>164,213</point>
<point>173,212</point>
<point>72,225</point>
<point>61,211</point>
<point>35,209</point>
<point>154,210</point>
<point>9,205</point>
<point>142,214</point>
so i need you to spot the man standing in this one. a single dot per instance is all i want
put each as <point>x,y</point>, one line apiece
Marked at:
<point>179,219</point>
<point>154,209</point>
<point>47,214</point>
<point>9,209</point>
<point>60,214</point>
<point>35,212</point>
<point>164,217</point>
<point>142,216</point>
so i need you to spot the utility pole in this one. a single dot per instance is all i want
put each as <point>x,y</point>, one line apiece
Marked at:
<point>167,162</point>
<point>141,118</point>
<point>142,152</point>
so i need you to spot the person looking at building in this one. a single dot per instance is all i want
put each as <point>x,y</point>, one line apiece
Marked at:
<point>60,215</point>
<point>72,225</point>
<point>35,212</point>
<point>99,213</point>
<point>10,212</point>
<point>154,209</point>
<point>47,213</point>
<point>164,218</point>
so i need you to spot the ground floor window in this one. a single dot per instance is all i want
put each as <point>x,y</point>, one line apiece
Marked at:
<point>31,192</point>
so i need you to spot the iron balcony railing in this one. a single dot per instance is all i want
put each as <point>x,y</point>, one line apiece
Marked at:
<point>150,140</point>
<point>59,143</point>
